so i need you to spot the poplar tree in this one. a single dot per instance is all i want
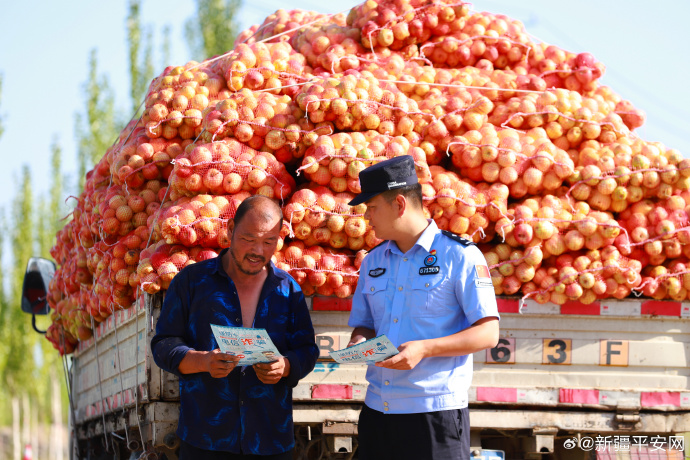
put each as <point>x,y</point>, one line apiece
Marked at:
<point>96,129</point>
<point>212,31</point>
<point>140,64</point>
<point>51,208</point>
<point>166,47</point>
<point>19,364</point>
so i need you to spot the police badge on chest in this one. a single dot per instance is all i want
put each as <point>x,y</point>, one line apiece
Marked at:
<point>429,267</point>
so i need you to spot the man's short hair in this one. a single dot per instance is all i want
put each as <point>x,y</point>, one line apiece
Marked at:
<point>412,193</point>
<point>269,208</point>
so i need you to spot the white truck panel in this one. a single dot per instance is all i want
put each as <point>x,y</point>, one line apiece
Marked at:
<point>547,361</point>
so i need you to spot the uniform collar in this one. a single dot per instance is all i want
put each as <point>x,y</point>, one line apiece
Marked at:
<point>426,239</point>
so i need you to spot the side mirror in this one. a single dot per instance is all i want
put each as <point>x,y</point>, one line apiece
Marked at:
<point>38,274</point>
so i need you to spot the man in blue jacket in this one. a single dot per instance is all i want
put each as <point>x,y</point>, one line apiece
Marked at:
<point>229,411</point>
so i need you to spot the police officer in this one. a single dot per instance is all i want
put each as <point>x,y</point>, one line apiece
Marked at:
<point>430,292</point>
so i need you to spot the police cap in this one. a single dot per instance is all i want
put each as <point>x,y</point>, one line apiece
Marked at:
<point>387,175</point>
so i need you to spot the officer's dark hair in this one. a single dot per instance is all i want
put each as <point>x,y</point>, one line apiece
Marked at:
<point>270,210</point>
<point>412,193</point>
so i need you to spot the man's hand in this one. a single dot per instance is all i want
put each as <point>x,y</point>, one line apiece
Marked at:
<point>271,373</point>
<point>411,353</point>
<point>214,362</point>
<point>219,364</point>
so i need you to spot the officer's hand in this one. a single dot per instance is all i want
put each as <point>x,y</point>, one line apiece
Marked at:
<point>220,364</point>
<point>271,373</point>
<point>411,353</point>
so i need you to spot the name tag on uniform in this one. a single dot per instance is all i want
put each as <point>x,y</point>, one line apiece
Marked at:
<point>429,270</point>
<point>483,283</point>
<point>377,272</point>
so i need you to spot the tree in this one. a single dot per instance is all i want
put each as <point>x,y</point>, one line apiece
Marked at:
<point>213,30</point>
<point>19,365</point>
<point>18,370</point>
<point>96,129</point>
<point>51,209</point>
<point>140,67</point>
<point>165,47</point>
<point>4,307</point>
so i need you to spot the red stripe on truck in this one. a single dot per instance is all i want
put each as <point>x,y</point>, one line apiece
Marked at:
<point>319,303</point>
<point>508,305</point>
<point>331,391</point>
<point>577,308</point>
<point>494,394</point>
<point>575,396</point>
<point>660,308</point>
<point>659,398</point>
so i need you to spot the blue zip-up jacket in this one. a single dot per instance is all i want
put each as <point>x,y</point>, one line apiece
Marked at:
<point>238,413</point>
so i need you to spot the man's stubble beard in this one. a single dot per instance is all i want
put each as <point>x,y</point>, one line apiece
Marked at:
<point>238,263</point>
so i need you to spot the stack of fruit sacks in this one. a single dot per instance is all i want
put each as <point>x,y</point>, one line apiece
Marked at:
<point>518,147</point>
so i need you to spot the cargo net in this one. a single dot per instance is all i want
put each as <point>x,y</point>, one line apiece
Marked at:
<point>229,167</point>
<point>644,252</point>
<point>465,209</point>
<point>263,122</point>
<point>282,25</point>
<point>160,263</point>
<point>142,159</point>
<point>200,221</point>
<point>517,144</point>
<point>120,213</point>
<point>320,270</point>
<point>528,165</point>
<point>274,68</point>
<point>319,217</point>
<point>335,161</point>
<point>607,183</point>
<point>178,98</point>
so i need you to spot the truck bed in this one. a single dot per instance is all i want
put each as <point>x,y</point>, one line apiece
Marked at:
<point>593,363</point>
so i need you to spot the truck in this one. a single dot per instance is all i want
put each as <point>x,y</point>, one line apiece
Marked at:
<point>574,381</point>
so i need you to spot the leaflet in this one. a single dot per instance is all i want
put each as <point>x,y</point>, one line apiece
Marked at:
<point>251,345</point>
<point>369,352</point>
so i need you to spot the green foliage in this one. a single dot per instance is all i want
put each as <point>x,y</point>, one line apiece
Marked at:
<point>97,129</point>
<point>56,189</point>
<point>3,297</point>
<point>140,67</point>
<point>165,47</point>
<point>213,30</point>
<point>5,346</point>
<point>51,211</point>
<point>19,366</point>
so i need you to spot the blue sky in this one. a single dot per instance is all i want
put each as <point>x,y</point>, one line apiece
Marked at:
<point>45,45</point>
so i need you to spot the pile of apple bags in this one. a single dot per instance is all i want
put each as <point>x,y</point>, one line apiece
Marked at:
<point>517,145</point>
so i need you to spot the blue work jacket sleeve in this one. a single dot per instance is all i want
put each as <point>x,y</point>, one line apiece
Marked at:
<point>303,351</point>
<point>168,346</point>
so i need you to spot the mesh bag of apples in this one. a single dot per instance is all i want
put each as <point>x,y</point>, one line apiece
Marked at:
<point>517,145</point>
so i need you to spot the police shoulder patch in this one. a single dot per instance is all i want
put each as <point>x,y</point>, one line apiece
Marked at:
<point>457,238</point>
<point>372,249</point>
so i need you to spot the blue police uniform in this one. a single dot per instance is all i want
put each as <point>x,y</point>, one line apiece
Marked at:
<point>441,286</point>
